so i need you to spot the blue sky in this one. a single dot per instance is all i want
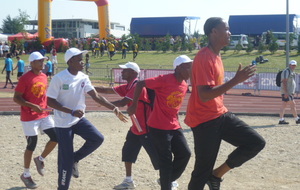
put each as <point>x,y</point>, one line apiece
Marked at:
<point>122,11</point>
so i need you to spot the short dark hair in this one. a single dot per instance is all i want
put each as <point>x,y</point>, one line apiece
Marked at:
<point>211,23</point>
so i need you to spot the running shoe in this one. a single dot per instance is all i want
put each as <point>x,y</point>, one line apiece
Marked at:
<point>28,182</point>
<point>283,122</point>
<point>214,183</point>
<point>39,166</point>
<point>125,185</point>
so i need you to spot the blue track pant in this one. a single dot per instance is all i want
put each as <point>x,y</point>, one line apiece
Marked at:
<point>66,155</point>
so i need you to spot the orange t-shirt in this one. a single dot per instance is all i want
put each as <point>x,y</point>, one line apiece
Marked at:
<point>169,95</point>
<point>33,87</point>
<point>207,69</point>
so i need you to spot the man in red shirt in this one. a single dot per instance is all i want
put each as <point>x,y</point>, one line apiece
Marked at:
<point>166,132</point>
<point>138,135</point>
<point>209,118</point>
<point>30,93</point>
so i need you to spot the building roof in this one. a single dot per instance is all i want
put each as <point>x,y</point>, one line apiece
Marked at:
<point>159,26</point>
<point>257,24</point>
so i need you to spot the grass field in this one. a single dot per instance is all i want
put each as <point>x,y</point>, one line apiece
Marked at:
<point>159,60</point>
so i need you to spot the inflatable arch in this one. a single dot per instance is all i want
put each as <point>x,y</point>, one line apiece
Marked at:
<point>45,20</point>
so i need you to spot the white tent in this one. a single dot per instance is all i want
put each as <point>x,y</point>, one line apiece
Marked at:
<point>3,38</point>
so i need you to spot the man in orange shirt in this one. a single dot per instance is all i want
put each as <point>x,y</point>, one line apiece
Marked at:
<point>209,118</point>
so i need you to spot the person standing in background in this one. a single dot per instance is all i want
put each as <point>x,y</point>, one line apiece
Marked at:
<point>21,67</point>
<point>124,49</point>
<point>135,50</point>
<point>287,89</point>
<point>9,70</point>
<point>53,53</point>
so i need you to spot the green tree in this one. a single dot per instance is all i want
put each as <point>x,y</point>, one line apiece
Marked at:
<point>261,48</point>
<point>250,48</point>
<point>15,25</point>
<point>273,47</point>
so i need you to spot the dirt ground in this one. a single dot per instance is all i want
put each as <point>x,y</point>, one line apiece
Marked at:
<point>275,168</point>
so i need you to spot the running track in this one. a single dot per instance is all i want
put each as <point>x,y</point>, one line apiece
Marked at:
<point>267,103</point>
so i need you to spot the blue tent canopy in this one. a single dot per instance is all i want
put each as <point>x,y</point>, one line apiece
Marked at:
<point>159,26</point>
<point>257,24</point>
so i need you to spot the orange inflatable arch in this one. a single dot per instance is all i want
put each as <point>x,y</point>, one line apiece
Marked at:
<point>45,20</point>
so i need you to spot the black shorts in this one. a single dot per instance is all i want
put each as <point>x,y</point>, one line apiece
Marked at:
<point>8,74</point>
<point>19,74</point>
<point>290,98</point>
<point>132,147</point>
<point>49,73</point>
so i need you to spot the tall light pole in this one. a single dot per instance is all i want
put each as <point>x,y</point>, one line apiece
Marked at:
<point>287,36</point>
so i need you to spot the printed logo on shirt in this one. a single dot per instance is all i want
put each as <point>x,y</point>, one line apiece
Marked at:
<point>174,99</point>
<point>82,84</point>
<point>65,87</point>
<point>38,89</point>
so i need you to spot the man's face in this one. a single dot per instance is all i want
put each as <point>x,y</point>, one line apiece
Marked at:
<point>185,70</point>
<point>76,63</point>
<point>37,64</point>
<point>127,74</point>
<point>293,67</point>
<point>222,33</point>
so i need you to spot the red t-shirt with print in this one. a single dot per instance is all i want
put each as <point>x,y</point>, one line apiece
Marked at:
<point>169,95</point>
<point>208,70</point>
<point>33,87</point>
<point>143,110</point>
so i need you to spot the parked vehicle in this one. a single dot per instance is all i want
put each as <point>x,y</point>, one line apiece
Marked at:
<point>281,38</point>
<point>241,39</point>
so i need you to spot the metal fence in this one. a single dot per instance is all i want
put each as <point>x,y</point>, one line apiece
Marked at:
<point>265,79</point>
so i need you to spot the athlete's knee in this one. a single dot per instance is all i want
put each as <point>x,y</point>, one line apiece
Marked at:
<point>51,134</point>
<point>31,143</point>
<point>98,140</point>
<point>260,145</point>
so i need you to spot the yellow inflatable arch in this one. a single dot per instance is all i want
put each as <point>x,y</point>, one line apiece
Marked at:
<point>45,20</point>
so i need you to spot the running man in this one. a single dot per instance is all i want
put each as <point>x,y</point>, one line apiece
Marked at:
<point>135,138</point>
<point>166,132</point>
<point>30,93</point>
<point>66,94</point>
<point>209,119</point>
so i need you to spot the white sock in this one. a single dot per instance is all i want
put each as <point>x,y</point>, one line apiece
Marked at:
<point>281,119</point>
<point>129,178</point>
<point>296,118</point>
<point>26,172</point>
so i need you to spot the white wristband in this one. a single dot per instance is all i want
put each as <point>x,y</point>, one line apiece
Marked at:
<point>116,108</point>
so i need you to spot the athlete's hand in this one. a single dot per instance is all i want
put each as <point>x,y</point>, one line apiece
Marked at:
<point>245,73</point>
<point>120,115</point>
<point>78,113</point>
<point>37,108</point>
<point>131,110</point>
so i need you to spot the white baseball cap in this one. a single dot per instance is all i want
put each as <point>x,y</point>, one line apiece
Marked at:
<point>293,62</point>
<point>73,52</point>
<point>36,56</point>
<point>131,65</point>
<point>181,59</point>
